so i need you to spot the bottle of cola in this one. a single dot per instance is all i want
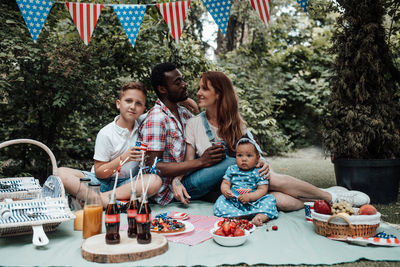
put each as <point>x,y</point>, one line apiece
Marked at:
<point>112,220</point>
<point>143,222</point>
<point>132,212</point>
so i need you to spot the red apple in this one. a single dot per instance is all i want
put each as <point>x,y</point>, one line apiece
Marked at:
<point>322,206</point>
<point>367,209</point>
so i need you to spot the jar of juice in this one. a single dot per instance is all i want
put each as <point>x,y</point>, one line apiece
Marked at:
<point>92,211</point>
<point>79,202</point>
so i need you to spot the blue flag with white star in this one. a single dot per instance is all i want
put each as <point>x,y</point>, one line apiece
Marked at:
<point>35,14</point>
<point>130,17</point>
<point>303,4</point>
<point>220,11</point>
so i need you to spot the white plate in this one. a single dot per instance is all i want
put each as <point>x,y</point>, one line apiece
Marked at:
<point>252,229</point>
<point>189,227</point>
<point>178,215</point>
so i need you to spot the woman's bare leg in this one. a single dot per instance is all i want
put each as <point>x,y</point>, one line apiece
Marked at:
<point>286,202</point>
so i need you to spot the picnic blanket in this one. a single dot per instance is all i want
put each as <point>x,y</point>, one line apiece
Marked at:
<point>295,242</point>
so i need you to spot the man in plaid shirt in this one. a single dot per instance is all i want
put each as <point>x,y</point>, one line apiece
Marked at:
<point>163,131</point>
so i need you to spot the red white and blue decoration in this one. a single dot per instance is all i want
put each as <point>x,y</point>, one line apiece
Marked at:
<point>130,17</point>
<point>174,14</point>
<point>262,7</point>
<point>85,17</point>
<point>35,14</point>
<point>303,4</point>
<point>220,11</point>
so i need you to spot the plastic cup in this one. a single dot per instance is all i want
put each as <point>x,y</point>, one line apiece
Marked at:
<point>308,207</point>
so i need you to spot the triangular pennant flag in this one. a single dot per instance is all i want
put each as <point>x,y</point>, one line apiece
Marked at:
<point>174,14</point>
<point>130,17</point>
<point>220,11</point>
<point>35,14</point>
<point>303,4</point>
<point>85,17</point>
<point>263,9</point>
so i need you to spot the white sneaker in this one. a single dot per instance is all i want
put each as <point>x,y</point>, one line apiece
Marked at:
<point>335,189</point>
<point>356,198</point>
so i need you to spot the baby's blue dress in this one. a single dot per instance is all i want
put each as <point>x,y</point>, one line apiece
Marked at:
<point>239,179</point>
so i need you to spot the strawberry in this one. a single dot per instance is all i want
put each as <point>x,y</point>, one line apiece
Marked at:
<point>220,223</point>
<point>220,232</point>
<point>232,224</point>
<point>238,232</point>
<point>227,229</point>
<point>231,235</point>
<point>274,227</point>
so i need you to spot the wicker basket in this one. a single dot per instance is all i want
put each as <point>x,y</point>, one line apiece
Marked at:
<point>340,226</point>
<point>43,210</point>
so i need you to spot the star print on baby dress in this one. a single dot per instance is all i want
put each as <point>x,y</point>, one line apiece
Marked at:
<point>35,14</point>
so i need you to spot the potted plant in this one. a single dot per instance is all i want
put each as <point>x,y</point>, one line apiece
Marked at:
<point>362,129</point>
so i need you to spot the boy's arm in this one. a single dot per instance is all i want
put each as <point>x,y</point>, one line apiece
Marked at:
<point>253,196</point>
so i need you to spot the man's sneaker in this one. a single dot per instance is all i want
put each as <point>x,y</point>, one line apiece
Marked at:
<point>335,189</point>
<point>356,198</point>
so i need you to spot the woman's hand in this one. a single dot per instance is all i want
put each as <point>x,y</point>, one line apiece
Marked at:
<point>264,168</point>
<point>228,194</point>
<point>179,191</point>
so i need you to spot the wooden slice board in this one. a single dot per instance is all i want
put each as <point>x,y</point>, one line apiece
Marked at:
<point>95,248</point>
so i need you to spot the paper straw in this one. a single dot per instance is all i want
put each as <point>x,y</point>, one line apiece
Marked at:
<point>115,186</point>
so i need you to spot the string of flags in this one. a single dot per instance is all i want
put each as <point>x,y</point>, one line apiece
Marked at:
<point>85,15</point>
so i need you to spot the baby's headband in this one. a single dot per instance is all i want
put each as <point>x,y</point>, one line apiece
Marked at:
<point>251,141</point>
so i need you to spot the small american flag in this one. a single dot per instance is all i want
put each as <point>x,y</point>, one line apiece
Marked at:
<point>242,191</point>
<point>263,9</point>
<point>85,17</point>
<point>174,14</point>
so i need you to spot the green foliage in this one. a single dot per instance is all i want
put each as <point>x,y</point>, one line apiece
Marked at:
<point>364,118</point>
<point>62,92</point>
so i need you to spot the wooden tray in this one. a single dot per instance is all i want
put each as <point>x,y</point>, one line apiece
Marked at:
<point>95,248</point>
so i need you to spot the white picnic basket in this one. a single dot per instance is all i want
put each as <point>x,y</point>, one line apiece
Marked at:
<point>48,206</point>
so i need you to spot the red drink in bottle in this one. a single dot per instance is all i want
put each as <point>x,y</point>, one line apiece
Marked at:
<point>132,212</point>
<point>143,222</point>
<point>112,220</point>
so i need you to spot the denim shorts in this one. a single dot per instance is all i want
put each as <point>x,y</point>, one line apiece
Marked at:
<point>105,184</point>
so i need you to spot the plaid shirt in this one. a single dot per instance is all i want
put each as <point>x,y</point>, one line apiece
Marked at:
<point>161,131</point>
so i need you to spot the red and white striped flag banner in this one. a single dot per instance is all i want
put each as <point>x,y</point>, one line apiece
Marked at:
<point>263,8</point>
<point>85,17</point>
<point>174,14</point>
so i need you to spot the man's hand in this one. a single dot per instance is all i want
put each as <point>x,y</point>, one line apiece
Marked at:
<point>213,155</point>
<point>135,154</point>
<point>180,192</point>
<point>228,194</point>
<point>245,198</point>
<point>264,168</point>
<point>191,105</point>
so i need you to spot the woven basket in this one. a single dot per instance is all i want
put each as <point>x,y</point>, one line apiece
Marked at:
<point>20,223</point>
<point>340,226</point>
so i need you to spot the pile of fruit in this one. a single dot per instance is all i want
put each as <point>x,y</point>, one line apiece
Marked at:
<point>233,227</point>
<point>344,208</point>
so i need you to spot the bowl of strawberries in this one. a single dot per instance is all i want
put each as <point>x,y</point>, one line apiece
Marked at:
<point>230,233</point>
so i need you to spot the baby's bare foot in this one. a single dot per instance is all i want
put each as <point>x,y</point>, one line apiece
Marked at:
<point>259,219</point>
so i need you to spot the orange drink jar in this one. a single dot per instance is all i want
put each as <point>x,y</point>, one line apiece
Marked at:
<point>92,211</point>
<point>79,203</point>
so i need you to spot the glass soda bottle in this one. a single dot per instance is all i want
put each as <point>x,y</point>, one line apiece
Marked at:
<point>143,222</point>
<point>132,212</point>
<point>79,203</point>
<point>112,221</point>
<point>92,211</point>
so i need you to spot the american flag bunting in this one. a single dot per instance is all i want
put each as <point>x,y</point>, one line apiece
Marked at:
<point>263,9</point>
<point>35,14</point>
<point>130,17</point>
<point>220,11</point>
<point>85,17</point>
<point>174,14</point>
